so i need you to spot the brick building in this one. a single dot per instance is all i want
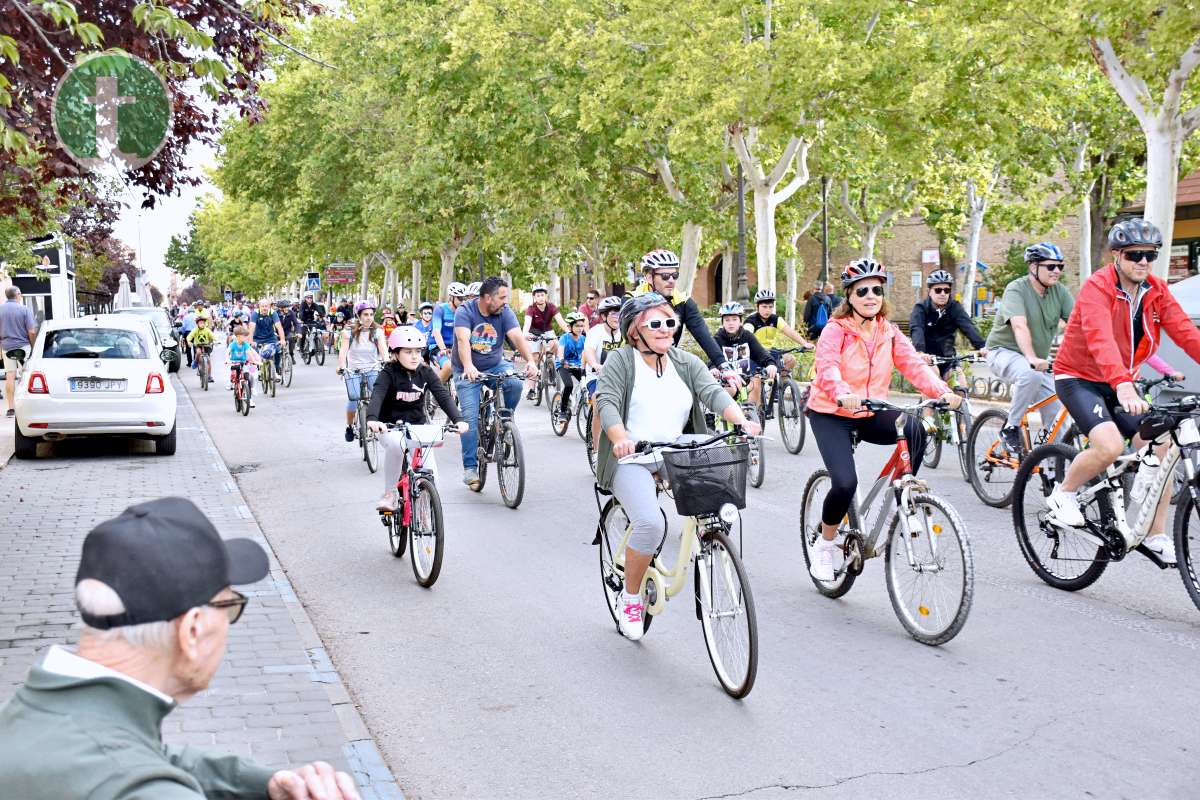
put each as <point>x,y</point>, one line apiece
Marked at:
<point>1185,245</point>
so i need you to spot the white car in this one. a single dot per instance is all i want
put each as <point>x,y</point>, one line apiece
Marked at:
<point>102,375</point>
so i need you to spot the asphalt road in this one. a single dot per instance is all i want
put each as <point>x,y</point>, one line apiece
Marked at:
<point>507,680</point>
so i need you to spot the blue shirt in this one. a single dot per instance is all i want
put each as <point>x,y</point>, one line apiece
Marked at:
<point>487,334</point>
<point>264,327</point>
<point>16,320</point>
<point>572,350</point>
<point>189,322</point>
<point>427,329</point>
<point>443,315</point>
<point>239,352</point>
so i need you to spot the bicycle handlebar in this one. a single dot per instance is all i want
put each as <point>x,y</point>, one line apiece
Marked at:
<point>966,358</point>
<point>488,377</point>
<point>449,427</point>
<point>777,351</point>
<point>644,447</point>
<point>1145,384</point>
<point>882,405</point>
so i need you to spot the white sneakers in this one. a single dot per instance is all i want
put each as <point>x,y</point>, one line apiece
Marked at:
<point>827,559</point>
<point>387,502</point>
<point>631,612</point>
<point>1064,509</point>
<point>1162,545</point>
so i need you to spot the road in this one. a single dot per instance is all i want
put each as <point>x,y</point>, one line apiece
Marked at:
<point>507,680</point>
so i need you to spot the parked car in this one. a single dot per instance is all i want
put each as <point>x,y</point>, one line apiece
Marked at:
<point>103,375</point>
<point>162,324</point>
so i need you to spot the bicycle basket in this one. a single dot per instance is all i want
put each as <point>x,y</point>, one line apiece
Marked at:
<point>706,478</point>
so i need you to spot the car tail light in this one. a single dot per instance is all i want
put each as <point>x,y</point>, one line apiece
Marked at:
<point>37,384</point>
<point>154,384</point>
<point>39,425</point>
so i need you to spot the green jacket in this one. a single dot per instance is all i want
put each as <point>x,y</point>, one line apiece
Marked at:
<point>616,384</point>
<point>99,738</point>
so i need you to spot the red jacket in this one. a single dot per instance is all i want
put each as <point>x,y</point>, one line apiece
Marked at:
<point>1098,342</point>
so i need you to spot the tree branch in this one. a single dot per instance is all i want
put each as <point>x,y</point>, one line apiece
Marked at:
<point>753,170</point>
<point>1191,121</point>
<point>785,161</point>
<point>799,179</point>
<point>273,37</point>
<point>664,172</point>
<point>1178,77</point>
<point>40,32</point>
<point>645,173</point>
<point>871,23</point>
<point>1130,88</point>
<point>845,198</point>
<point>803,229</point>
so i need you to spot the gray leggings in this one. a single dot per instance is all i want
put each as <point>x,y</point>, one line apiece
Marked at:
<point>1028,385</point>
<point>633,486</point>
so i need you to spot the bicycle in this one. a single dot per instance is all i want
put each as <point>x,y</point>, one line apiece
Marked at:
<point>243,389</point>
<point>1072,558</point>
<point>955,432</point>
<point>560,421</point>
<point>204,365</point>
<point>499,440</point>
<point>417,524</point>
<point>753,412</point>
<point>286,368</point>
<point>587,438</point>
<point>936,556</point>
<point>312,345</point>
<point>547,378</point>
<point>784,392</point>
<point>367,439</point>
<point>266,370</point>
<point>707,481</point>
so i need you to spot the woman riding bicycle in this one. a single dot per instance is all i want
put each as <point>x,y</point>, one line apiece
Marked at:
<point>649,391</point>
<point>363,349</point>
<point>399,397</point>
<point>854,360</point>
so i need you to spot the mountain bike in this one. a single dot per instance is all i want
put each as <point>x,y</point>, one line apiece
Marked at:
<point>204,365</point>
<point>560,420</point>
<point>753,412</point>
<point>707,480</point>
<point>499,440</point>
<point>266,370</point>
<point>928,564</point>
<point>243,389</point>
<point>1074,558</point>
<point>367,438</point>
<point>547,377</point>
<point>784,393</point>
<point>312,345</point>
<point>286,368</point>
<point>417,523</point>
<point>952,425</point>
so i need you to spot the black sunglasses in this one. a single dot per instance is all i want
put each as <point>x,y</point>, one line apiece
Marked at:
<point>233,607</point>
<point>1136,256</point>
<point>668,276</point>
<point>940,290</point>
<point>1051,267</point>
<point>863,291</point>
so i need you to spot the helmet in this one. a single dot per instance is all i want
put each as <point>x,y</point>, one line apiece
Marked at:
<point>1045,251</point>
<point>764,296</point>
<point>609,304</point>
<point>308,295</point>
<point>636,305</point>
<point>284,304</point>
<point>657,259</point>
<point>539,287</point>
<point>574,317</point>
<point>1133,232</point>
<point>939,276</point>
<point>457,289</point>
<point>473,289</point>
<point>862,268</point>
<point>203,315</point>
<point>406,336</point>
<point>425,306</point>
<point>363,306</point>
<point>731,309</point>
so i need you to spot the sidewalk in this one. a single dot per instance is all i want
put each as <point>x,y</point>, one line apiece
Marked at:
<point>276,699</point>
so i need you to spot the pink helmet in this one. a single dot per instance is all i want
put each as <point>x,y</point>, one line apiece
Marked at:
<point>406,336</point>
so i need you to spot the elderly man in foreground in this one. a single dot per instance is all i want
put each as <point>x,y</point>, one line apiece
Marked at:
<point>153,589</point>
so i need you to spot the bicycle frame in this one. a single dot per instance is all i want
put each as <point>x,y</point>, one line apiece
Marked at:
<point>1134,535</point>
<point>1059,421</point>
<point>668,581</point>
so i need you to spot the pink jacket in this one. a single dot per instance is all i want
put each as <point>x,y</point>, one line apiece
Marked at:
<point>848,364</point>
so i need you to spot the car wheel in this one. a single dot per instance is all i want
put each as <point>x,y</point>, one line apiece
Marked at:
<point>24,447</point>
<point>175,362</point>
<point>165,445</point>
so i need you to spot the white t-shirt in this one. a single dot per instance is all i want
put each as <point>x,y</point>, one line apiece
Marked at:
<point>658,407</point>
<point>364,352</point>
<point>600,339</point>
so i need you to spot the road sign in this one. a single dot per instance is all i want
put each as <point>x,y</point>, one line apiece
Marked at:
<point>313,282</point>
<point>229,295</point>
<point>341,273</point>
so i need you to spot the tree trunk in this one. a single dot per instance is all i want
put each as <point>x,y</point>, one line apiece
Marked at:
<point>870,235</point>
<point>416,282</point>
<point>366,273</point>
<point>978,209</point>
<point>689,257</point>
<point>791,291</point>
<point>1085,236</point>
<point>728,273</point>
<point>1164,144</point>
<point>555,256</point>
<point>764,237</point>
<point>448,254</point>
<point>1100,199</point>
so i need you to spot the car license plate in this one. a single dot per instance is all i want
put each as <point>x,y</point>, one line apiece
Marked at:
<point>97,384</point>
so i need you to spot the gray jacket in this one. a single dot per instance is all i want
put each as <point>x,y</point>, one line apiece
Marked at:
<point>616,384</point>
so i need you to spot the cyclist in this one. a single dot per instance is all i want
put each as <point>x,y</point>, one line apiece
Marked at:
<point>346,309</point>
<point>937,319</point>
<point>443,327</point>
<point>1119,320</point>
<point>854,360</point>
<point>741,348</point>
<point>363,349</point>
<point>290,324</point>
<point>242,356</point>
<point>388,321</point>
<point>539,319</point>
<point>268,333</point>
<point>202,336</point>
<point>1025,325</point>
<point>660,269</point>
<point>187,325</point>
<point>649,391</point>
<point>569,360</point>
<point>590,308</point>
<point>473,290</point>
<point>766,326</point>
<point>480,329</point>
<point>601,340</point>
<point>398,397</point>
<point>312,315</point>
<point>424,324</point>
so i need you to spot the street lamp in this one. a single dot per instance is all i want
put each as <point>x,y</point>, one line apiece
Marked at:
<point>824,229</point>
<point>743,289</point>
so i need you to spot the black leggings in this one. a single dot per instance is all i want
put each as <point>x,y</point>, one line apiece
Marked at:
<point>568,376</point>
<point>833,440</point>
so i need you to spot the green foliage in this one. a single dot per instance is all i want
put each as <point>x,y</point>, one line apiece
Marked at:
<point>1013,267</point>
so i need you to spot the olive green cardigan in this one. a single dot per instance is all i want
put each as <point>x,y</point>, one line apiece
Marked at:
<point>616,384</point>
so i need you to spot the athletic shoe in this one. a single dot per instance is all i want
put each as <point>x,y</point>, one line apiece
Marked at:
<point>252,404</point>
<point>387,502</point>
<point>823,559</point>
<point>1162,545</point>
<point>530,395</point>
<point>1011,436</point>
<point>630,615</point>
<point>1064,509</point>
<point>349,433</point>
<point>471,479</point>
<point>10,413</point>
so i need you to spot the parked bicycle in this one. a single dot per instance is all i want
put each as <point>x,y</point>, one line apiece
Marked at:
<point>367,440</point>
<point>417,523</point>
<point>500,441</point>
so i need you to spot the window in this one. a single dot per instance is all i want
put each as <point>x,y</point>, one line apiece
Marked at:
<point>94,343</point>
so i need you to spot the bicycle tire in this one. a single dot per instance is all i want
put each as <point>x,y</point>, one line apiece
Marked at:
<point>994,494</point>
<point>792,424</point>
<point>430,540</point>
<point>964,595</point>
<point>237,397</point>
<point>962,419</point>
<point>738,681</point>
<point>288,370</point>
<point>933,448</point>
<point>582,422</point>
<point>319,355</point>
<point>559,422</point>
<point>202,368</point>
<point>758,453</point>
<point>612,579</point>
<point>306,351</point>
<point>397,536</point>
<point>590,444</point>
<point>1051,461</point>
<point>510,465</point>
<point>810,515</point>
<point>247,394</point>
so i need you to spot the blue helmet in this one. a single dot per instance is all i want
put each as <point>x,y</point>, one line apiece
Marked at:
<point>1043,251</point>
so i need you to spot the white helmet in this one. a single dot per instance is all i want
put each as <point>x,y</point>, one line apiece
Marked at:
<point>539,287</point>
<point>406,336</point>
<point>732,309</point>
<point>457,289</point>
<point>474,288</point>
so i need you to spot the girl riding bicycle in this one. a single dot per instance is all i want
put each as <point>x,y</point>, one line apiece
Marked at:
<point>650,390</point>
<point>855,356</point>
<point>363,348</point>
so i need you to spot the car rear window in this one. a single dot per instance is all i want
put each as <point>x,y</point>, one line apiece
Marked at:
<point>94,343</point>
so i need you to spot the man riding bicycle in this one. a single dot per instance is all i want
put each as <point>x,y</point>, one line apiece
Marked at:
<point>1019,344</point>
<point>936,321</point>
<point>661,272</point>
<point>268,335</point>
<point>540,318</point>
<point>1116,326</point>
<point>312,315</point>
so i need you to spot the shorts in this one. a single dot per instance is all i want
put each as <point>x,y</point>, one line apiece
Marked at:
<point>1090,403</point>
<point>537,343</point>
<point>14,359</point>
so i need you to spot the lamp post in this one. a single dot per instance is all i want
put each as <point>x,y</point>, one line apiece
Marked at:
<point>824,229</point>
<point>743,288</point>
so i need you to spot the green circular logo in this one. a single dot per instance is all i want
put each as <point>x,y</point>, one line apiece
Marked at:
<point>112,109</point>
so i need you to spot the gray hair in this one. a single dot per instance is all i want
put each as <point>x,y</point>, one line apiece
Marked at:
<point>11,292</point>
<point>95,597</point>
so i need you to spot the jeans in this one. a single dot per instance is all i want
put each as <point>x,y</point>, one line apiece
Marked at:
<point>1028,385</point>
<point>468,402</point>
<point>352,381</point>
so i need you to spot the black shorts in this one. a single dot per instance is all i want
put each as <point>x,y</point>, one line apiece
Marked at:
<point>1089,403</point>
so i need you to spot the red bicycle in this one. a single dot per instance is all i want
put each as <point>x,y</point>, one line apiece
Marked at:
<point>417,523</point>
<point>243,389</point>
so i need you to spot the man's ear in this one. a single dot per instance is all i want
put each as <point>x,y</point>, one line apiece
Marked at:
<point>189,632</point>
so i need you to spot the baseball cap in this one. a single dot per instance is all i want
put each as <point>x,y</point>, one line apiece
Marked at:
<point>162,558</point>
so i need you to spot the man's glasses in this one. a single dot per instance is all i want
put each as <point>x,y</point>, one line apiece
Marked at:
<point>1136,256</point>
<point>863,291</point>
<point>670,323</point>
<point>1055,267</point>
<point>668,276</point>
<point>940,290</point>
<point>426,313</point>
<point>233,607</point>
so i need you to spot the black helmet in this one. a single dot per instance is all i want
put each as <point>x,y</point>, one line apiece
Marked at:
<point>636,305</point>
<point>1134,232</point>
<point>939,276</point>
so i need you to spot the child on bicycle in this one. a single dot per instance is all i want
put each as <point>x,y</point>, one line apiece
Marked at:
<point>202,336</point>
<point>399,397</point>
<point>743,351</point>
<point>242,356</point>
<point>569,358</point>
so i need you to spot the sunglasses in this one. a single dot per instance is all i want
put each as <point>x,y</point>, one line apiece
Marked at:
<point>668,276</point>
<point>233,607</point>
<point>940,290</point>
<point>863,291</point>
<point>1136,256</point>
<point>1051,267</point>
<point>670,323</point>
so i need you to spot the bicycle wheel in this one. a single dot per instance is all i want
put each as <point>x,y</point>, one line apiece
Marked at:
<point>202,370</point>
<point>306,349</point>
<point>962,419</point>
<point>590,444</point>
<point>933,447</point>
<point>559,420</point>
<point>930,572</point>
<point>431,406</point>
<point>319,355</point>
<point>610,532</point>
<point>1063,558</point>
<point>725,606</point>
<point>580,402</point>
<point>397,536</point>
<point>792,424</point>
<point>510,469</point>
<point>758,452</point>
<point>287,370</point>
<point>247,394</point>
<point>427,531</point>
<point>237,397</point>
<point>993,469</point>
<point>812,500</point>
<point>370,441</point>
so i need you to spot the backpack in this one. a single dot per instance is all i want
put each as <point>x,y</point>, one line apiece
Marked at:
<point>820,316</point>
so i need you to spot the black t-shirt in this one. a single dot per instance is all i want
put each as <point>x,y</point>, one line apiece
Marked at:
<point>398,395</point>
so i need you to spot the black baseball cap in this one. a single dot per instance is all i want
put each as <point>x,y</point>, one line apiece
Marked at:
<point>162,558</point>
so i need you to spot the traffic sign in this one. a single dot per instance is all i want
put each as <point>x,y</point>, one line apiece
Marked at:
<point>229,295</point>
<point>341,273</point>
<point>313,282</point>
